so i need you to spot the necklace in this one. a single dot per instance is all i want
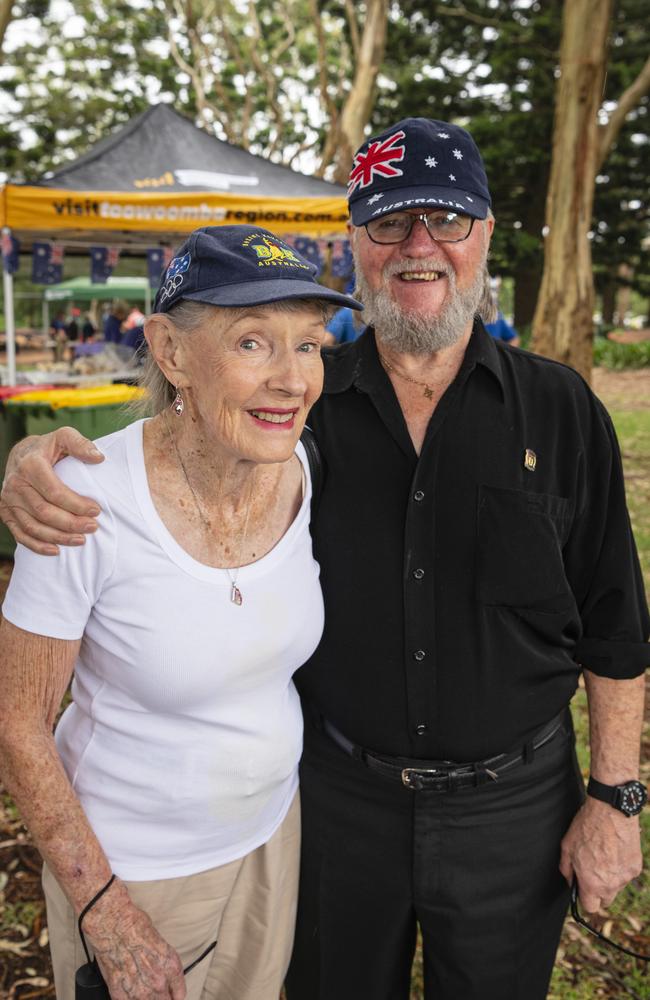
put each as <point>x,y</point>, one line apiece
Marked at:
<point>428,391</point>
<point>236,595</point>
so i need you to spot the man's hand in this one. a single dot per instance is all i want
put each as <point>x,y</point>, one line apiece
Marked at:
<point>38,509</point>
<point>603,848</point>
<point>136,962</point>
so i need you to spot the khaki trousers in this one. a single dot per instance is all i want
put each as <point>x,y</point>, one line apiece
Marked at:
<point>248,906</point>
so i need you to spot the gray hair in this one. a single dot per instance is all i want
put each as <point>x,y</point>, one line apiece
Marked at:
<point>487,307</point>
<point>188,316</point>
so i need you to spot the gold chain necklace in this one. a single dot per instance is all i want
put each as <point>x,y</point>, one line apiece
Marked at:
<point>236,595</point>
<point>428,391</point>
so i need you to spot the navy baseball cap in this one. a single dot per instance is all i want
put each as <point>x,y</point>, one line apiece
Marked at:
<point>418,162</point>
<point>240,266</point>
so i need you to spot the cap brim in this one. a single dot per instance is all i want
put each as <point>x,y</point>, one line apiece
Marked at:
<point>369,207</point>
<point>263,292</point>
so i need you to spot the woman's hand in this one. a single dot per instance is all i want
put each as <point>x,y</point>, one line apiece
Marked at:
<point>38,509</point>
<point>135,961</point>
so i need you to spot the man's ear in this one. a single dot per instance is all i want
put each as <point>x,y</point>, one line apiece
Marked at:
<point>166,348</point>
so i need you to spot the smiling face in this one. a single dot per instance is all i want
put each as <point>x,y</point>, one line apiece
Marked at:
<point>250,377</point>
<point>420,295</point>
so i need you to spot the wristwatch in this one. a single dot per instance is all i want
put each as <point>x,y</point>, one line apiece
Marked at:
<point>629,798</point>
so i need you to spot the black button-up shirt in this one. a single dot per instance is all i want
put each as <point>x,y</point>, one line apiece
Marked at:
<point>464,587</point>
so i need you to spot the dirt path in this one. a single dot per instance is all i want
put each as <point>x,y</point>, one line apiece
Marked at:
<point>627,390</point>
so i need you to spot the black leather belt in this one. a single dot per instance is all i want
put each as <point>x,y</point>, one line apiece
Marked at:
<point>445,775</point>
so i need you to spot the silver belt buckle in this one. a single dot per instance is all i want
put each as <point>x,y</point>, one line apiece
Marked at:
<point>408,771</point>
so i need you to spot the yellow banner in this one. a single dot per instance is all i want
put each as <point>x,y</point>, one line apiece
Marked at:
<point>44,209</point>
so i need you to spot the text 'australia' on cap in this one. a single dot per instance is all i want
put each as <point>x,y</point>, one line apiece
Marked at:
<point>240,266</point>
<point>418,162</point>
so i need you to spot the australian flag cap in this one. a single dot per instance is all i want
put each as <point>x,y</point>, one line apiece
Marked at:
<point>241,266</point>
<point>416,163</point>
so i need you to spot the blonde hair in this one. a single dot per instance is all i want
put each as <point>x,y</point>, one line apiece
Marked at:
<point>188,316</point>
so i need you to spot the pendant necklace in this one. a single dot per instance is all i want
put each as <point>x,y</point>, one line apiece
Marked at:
<point>428,391</point>
<point>236,595</point>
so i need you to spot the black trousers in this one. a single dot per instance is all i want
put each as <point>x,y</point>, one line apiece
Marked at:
<point>477,869</point>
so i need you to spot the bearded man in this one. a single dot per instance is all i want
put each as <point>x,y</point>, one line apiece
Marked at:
<point>476,557</point>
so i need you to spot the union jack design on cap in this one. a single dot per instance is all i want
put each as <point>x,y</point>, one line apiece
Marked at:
<point>377,159</point>
<point>419,162</point>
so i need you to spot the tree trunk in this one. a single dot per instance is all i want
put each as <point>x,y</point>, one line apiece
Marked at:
<point>609,302</point>
<point>563,324</point>
<point>5,18</point>
<point>625,273</point>
<point>527,280</point>
<point>356,110</point>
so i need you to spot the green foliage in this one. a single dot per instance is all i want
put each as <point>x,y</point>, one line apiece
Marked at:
<point>260,75</point>
<point>74,78</point>
<point>609,354</point>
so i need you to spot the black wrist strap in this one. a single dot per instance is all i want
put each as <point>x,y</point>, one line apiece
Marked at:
<point>97,897</point>
<point>604,793</point>
<point>89,906</point>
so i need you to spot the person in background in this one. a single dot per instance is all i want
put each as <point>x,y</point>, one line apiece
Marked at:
<point>72,328</point>
<point>114,322</point>
<point>502,330</point>
<point>134,338</point>
<point>58,333</point>
<point>88,328</point>
<point>344,326</point>
<point>135,318</point>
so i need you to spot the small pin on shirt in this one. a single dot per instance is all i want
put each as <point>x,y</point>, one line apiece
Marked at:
<point>530,460</point>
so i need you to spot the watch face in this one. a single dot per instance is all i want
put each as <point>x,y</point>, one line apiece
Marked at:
<point>633,798</point>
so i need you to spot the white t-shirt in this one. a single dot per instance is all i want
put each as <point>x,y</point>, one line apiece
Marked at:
<point>185,731</point>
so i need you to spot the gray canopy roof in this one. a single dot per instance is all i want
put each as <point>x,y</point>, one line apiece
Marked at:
<point>161,151</point>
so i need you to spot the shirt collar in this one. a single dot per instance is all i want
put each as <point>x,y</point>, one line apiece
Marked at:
<point>357,364</point>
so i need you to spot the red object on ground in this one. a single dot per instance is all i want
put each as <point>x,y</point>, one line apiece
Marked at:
<point>6,391</point>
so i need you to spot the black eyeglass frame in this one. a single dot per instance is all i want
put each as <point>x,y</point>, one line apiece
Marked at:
<point>575,913</point>
<point>420,217</point>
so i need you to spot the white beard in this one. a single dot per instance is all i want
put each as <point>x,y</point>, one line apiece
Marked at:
<point>411,332</point>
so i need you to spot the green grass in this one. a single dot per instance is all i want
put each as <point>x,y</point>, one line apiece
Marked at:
<point>610,354</point>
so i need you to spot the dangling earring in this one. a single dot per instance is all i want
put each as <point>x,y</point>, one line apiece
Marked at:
<point>178,405</point>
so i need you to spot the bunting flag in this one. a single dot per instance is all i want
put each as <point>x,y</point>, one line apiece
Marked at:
<point>102,262</point>
<point>154,265</point>
<point>47,263</point>
<point>342,261</point>
<point>309,249</point>
<point>158,260</point>
<point>10,253</point>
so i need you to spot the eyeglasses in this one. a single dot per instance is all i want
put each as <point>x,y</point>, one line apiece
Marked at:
<point>575,913</point>
<point>443,227</point>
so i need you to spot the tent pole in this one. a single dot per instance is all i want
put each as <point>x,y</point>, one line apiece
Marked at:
<point>10,324</point>
<point>46,317</point>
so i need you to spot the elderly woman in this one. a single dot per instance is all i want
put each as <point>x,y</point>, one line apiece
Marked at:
<point>184,617</point>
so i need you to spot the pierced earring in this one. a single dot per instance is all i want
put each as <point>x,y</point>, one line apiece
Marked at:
<point>178,405</point>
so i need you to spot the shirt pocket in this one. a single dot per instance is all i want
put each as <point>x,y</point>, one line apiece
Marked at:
<point>519,549</point>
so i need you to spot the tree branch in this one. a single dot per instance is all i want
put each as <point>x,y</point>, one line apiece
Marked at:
<point>5,19</point>
<point>354,28</point>
<point>626,103</point>
<point>459,10</point>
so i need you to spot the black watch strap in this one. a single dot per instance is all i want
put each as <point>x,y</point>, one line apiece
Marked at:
<point>629,797</point>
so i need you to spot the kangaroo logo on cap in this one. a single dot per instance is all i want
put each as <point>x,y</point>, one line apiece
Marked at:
<point>377,159</point>
<point>272,252</point>
<point>268,250</point>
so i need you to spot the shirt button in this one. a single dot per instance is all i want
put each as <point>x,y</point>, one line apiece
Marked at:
<point>421,729</point>
<point>418,573</point>
<point>418,495</point>
<point>419,654</point>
